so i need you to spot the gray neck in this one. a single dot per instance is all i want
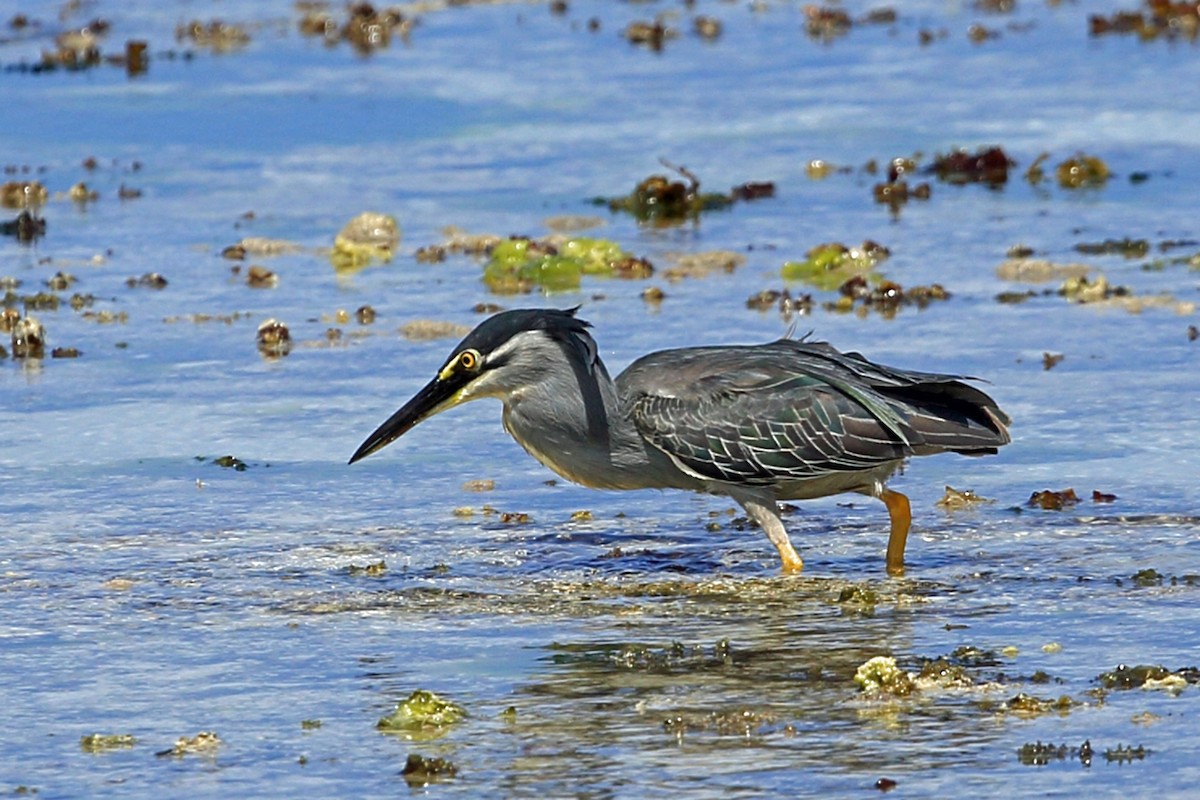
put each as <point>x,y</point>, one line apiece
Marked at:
<point>571,421</point>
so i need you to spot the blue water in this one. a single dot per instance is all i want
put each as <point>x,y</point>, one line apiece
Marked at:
<point>147,590</point>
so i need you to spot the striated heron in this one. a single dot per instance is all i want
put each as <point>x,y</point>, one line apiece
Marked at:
<point>788,420</point>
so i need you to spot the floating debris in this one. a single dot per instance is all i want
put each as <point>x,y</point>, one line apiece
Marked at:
<point>368,237</point>
<point>1142,676</point>
<point>659,200</point>
<point>989,165</point>
<point>1028,705</point>
<point>28,338</point>
<point>421,771</point>
<point>1082,172</point>
<point>1127,247</point>
<point>104,742</point>
<point>108,317</point>
<point>25,227</point>
<point>1051,360</point>
<point>23,194</point>
<point>787,304</point>
<point>1052,500</point>
<point>273,338</point>
<point>479,485</point>
<point>150,280</point>
<point>60,281</point>
<point>956,500</point>
<point>1083,290</point>
<point>369,570</point>
<point>707,28</point>
<point>259,277</point>
<point>365,28</point>
<point>1160,19</point>
<point>204,743</point>
<point>1039,754</point>
<point>230,462</point>
<point>424,715</point>
<point>885,297</point>
<point>1103,497</point>
<point>652,35</point>
<point>216,35</point>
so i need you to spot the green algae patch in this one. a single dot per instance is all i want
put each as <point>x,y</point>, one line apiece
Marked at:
<point>881,676</point>
<point>1029,705</point>
<point>424,715</point>
<point>1144,676</point>
<point>557,263</point>
<point>1082,172</point>
<point>104,742</point>
<point>829,266</point>
<point>369,237</point>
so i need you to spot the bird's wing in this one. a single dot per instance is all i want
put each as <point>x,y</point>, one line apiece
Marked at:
<point>788,410</point>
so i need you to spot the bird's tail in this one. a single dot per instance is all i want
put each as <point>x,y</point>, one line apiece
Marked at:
<point>950,416</point>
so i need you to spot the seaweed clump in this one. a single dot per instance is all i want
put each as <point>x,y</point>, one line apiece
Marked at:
<point>555,264</point>
<point>1142,676</point>
<point>368,237</point>
<point>424,715</point>
<point>662,201</point>
<point>989,165</point>
<point>1161,18</point>
<point>881,676</point>
<point>829,266</point>
<point>1082,172</point>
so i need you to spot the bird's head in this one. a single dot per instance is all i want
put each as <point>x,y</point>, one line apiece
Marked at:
<point>505,353</point>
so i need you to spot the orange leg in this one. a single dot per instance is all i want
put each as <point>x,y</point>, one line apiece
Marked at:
<point>901,516</point>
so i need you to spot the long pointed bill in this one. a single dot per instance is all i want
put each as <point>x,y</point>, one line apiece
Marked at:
<point>436,396</point>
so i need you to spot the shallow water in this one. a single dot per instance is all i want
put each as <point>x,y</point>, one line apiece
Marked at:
<point>147,590</point>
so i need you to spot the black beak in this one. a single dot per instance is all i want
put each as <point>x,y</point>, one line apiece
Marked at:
<point>436,396</point>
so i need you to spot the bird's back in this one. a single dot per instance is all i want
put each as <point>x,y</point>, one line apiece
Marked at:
<point>794,409</point>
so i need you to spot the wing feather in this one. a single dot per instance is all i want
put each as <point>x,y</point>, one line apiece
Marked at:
<point>792,410</point>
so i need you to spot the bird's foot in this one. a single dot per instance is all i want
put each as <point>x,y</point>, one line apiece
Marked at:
<point>792,564</point>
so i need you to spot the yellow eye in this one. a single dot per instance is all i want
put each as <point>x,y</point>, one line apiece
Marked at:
<point>468,360</point>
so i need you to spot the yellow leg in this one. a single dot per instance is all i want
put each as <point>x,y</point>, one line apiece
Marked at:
<point>792,562</point>
<point>766,513</point>
<point>901,516</point>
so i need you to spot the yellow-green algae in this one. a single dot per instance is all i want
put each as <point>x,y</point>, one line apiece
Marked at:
<point>556,264</point>
<point>371,236</point>
<point>880,675</point>
<point>424,715</point>
<point>829,266</point>
<point>102,742</point>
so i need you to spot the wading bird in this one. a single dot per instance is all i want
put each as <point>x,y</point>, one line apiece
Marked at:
<point>787,420</point>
